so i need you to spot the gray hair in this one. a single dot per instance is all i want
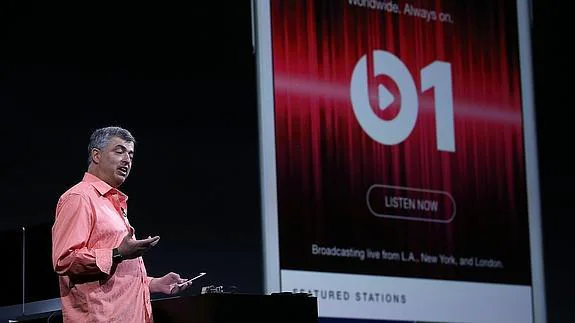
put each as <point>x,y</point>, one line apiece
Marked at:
<point>101,137</point>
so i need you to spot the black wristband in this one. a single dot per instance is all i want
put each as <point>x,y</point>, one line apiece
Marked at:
<point>116,256</point>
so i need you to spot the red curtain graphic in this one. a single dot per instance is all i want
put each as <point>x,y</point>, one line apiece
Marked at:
<point>327,163</point>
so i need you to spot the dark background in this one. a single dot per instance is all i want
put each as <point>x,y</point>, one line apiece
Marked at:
<point>182,79</point>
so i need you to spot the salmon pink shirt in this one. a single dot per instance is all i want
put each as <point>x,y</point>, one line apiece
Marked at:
<point>90,221</point>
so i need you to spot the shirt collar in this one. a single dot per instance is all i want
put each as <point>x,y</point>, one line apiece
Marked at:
<point>102,187</point>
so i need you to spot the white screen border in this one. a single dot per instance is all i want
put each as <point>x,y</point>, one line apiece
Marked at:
<point>265,89</point>
<point>531,161</point>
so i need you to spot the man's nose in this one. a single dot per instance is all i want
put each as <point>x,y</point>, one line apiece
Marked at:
<point>126,158</point>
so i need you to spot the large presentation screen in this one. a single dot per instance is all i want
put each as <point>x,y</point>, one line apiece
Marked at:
<point>399,177</point>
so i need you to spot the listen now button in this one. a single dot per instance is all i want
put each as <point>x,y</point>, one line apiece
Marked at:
<point>407,203</point>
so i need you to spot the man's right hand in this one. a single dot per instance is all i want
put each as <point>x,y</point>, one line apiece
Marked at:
<point>131,248</point>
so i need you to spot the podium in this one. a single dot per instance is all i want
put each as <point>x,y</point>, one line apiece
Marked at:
<point>224,308</point>
<point>221,308</point>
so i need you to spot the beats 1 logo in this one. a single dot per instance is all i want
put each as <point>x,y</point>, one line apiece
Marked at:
<point>436,75</point>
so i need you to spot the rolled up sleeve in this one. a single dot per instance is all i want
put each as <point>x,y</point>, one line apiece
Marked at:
<point>70,233</point>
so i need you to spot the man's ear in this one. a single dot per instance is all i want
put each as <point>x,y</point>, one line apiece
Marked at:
<point>95,155</point>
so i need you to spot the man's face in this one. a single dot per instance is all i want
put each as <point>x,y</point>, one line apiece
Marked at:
<point>115,161</point>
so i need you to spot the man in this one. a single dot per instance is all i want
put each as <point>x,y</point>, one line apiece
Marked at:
<point>94,251</point>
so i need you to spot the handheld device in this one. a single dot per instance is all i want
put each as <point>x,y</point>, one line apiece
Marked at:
<point>192,279</point>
